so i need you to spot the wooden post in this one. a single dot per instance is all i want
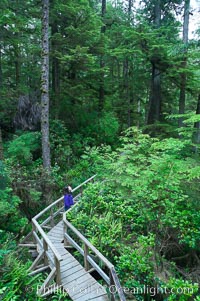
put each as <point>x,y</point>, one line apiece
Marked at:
<point>112,287</point>
<point>86,263</point>
<point>52,218</point>
<point>34,230</point>
<point>81,190</point>
<point>66,243</point>
<point>45,247</point>
<point>58,275</point>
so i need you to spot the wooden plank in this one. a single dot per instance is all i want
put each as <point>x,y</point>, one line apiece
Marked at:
<point>72,277</point>
<point>46,227</point>
<point>39,270</point>
<point>54,239</point>
<point>56,236</point>
<point>101,298</point>
<point>67,255</point>
<point>71,271</point>
<point>78,281</point>
<point>64,263</point>
<point>90,296</point>
<point>56,233</point>
<point>59,244</point>
<point>82,287</point>
<point>58,227</point>
<point>62,252</point>
<point>28,245</point>
<point>91,292</point>
<point>64,256</point>
<point>68,266</point>
<point>56,230</point>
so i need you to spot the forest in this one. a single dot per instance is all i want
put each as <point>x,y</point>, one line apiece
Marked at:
<point>112,88</point>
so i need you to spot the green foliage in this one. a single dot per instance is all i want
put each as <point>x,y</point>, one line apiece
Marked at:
<point>145,215</point>
<point>182,290</point>
<point>15,283</point>
<point>9,212</point>
<point>136,265</point>
<point>23,147</point>
<point>148,204</point>
<point>60,144</point>
<point>10,216</point>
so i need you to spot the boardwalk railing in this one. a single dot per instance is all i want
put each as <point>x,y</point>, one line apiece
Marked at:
<point>43,243</point>
<point>112,279</point>
<point>46,220</point>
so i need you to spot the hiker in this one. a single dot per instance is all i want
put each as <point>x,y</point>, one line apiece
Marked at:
<point>68,198</point>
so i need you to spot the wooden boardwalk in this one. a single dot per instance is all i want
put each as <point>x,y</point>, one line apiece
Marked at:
<point>75,280</point>
<point>52,236</point>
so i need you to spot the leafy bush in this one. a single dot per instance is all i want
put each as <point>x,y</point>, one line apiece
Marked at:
<point>22,148</point>
<point>144,215</point>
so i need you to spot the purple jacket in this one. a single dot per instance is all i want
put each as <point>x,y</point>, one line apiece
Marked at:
<point>68,200</point>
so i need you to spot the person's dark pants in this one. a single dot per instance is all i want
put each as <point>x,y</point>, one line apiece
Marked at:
<point>67,208</point>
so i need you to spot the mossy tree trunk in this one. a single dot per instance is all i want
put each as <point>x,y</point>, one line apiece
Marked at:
<point>45,87</point>
<point>183,79</point>
<point>102,62</point>
<point>1,145</point>
<point>196,135</point>
<point>154,113</point>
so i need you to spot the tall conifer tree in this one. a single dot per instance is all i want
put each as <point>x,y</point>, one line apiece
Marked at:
<point>184,61</point>
<point>45,87</point>
<point>155,95</point>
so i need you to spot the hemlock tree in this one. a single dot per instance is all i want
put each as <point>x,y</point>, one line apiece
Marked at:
<point>102,62</point>
<point>184,61</point>
<point>1,145</point>
<point>45,87</point>
<point>155,95</point>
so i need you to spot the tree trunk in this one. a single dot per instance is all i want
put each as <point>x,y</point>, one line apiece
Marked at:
<point>1,72</point>
<point>45,87</point>
<point>154,113</point>
<point>155,97</point>
<point>1,145</point>
<point>127,76</point>
<point>102,63</point>
<point>196,135</point>
<point>183,79</point>
<point>55,71</point>
<point>130,4</point>
<point>17,65</point>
